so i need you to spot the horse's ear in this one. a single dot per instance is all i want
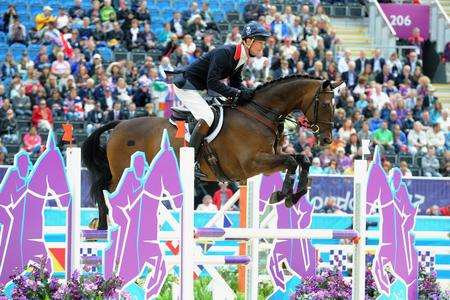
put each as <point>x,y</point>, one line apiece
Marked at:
<point>325,84</point>
<point>335,84</point>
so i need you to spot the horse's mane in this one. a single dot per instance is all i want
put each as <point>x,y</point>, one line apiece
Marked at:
<point>287,78</point>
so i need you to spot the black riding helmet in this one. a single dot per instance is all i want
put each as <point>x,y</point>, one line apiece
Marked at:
<point>255,31</point>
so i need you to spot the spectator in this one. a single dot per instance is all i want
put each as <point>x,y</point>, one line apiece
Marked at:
<point>315,168</point>
<point>196,27</point>
<point>387,166</point>
<point>330,206</point>
<point>8,129</point>
<point>107,11</point>
<point>367,73</point>
<point>296,30</point>
<point>346,130</point>
<point>133,37</point>
<point>406,172</point>
<point>384,76</point>
<point>400,140</point>
<point>314,38</point>
<point>116,113</point>
<point>44,18</point>
<point>436,138</point>
<point>350,76</point>
<point>9,67</point>
<point>394,64</point>
<point>332,168</point>
<point>142,96</point>
<point>17,32</point>
<point>60,67</point>
<point>177,24</point>
<point>377,62</point>
<point>412,61</point>
<point>379,97</point>
<point>142,13</point>
<point>279,28</point>
<point>222,195</point>
<point>343,161</point>
<point>384,137</point>
<point>32,141</point>
<point>351,148</point>
<point>188,46</point>
<point>430,164</point>
<point>8,17</point>
<point>234,37</point>
<point>21,103</point>
<point>77,11</point>
<point>417,139</point>
<point>193,10</point>
<point>207,204</point>
<point>365,133</point>
<point>95,118</point>
<point>434,210</point>
<point>42,116</point>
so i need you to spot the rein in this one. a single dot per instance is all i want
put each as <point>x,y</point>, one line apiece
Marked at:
<point>273,119</point>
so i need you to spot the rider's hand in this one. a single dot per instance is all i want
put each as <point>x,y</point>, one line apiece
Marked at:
<point>245,95</point>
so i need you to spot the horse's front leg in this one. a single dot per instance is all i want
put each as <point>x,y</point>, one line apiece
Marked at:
<point>270,163</point>
<point>302,188</point>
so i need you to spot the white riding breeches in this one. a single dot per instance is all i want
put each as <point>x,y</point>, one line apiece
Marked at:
<point>195,103</point>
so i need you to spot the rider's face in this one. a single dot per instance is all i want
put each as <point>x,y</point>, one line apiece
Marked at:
<point>257,47</point>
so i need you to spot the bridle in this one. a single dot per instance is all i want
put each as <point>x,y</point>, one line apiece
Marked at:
<point>274,119</point>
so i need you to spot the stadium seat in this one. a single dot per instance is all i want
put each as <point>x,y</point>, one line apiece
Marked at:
<point>33,50</point>
<point>17,50</point>
<point>106,54</point>
<point>355,10</point>
<point>2,37</point>
<point>120,55</point>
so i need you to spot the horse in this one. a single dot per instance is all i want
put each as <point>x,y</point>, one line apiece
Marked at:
<point>247,145</point>
<point>134,244</point>
<point>397,219</point>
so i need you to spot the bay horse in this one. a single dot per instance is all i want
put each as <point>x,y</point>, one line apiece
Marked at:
<point>247,144</point>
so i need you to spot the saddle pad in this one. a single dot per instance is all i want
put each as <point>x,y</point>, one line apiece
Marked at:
<point>214,131</point>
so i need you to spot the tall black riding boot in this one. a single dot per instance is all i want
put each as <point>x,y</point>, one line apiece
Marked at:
<point>196,141</point>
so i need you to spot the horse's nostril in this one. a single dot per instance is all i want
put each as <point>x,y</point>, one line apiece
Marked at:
<point>327,140</point>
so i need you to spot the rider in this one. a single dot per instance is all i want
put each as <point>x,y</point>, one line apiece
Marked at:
<point>207,72</point>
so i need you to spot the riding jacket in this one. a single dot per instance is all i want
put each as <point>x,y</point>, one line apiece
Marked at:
<point>223,62</point>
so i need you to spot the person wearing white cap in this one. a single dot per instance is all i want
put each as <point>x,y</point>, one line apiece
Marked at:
<point>44,18</point>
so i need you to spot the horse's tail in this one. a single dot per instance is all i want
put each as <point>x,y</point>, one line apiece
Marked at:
<point>95,159</point>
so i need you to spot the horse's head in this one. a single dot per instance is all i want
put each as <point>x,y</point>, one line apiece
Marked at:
<point>48,177</point>
<point>319,110</point>
<point>312,96</point>
<point>164,178</point>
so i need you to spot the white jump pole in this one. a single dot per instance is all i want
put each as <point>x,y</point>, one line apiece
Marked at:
<point>73,170</point>
<point>187,223</point>
<point>252,278</point>
<point>359,224</point>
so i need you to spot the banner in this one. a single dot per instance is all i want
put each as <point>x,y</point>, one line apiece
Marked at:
<point>405,17</point>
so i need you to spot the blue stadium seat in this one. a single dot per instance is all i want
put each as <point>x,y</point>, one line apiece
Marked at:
<point>106,54</point>
<point>2,37</point>
<point>35,9</point>
<point>3,50</point>
<point>3,7</point>
<point>218,15</point>
<point>17,50</point>
<point>33,50</point>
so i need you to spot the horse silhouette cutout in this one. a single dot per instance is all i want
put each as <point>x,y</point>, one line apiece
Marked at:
<point>134,244</point>
<point>299,255</point>
<point>24,195</point>
<point>397,219</point>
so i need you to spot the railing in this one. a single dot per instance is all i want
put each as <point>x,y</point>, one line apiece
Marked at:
<point>380,29</point>
<point>439,25</point>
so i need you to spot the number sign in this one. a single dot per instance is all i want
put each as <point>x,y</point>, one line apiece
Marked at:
<point>404,17</point>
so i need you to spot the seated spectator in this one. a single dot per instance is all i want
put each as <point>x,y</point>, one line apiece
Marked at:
<point>416,39</point>
<point>133,37</point>
<point>177,24</point>
<point>234,37</point>
<point>332,168</point>
<point>196,27</point>
<point>375,122</point>
<point>436,112</point>
<point>32,141</point>
<point>17,32</point>
<point>142,96</point>
<point>384,137</point>
<point>142,13</point>
<point>42,116</point>
<point>107,11</point>
<point>430,163</point>
<point>279,28</point>
<point>287,49</point>
<point>21,103</point>
<point>8,17</point>
<point>8,67</point>
<point>346,130</point>
<point>365,133</point>
<point>417,139</point>
<point>116,113</point>
<point>60,67</point>
<point>351,148</point>
<point>44,18</point>
<point>400,140</point>
<point>393,120</point>
<point>165,35</point>
<point>188,46</point>
<point>95,118</point>
<point>384,76</point>
<point>406,172</point>
<point>315,167</point>
<point>350,77</point>
<point>207,204</point>
<point>434,210</point>
<point>343,161</point>
<point>8,130</point>
<point>77,11</point>
<point>379,97</point>
<point>296,30</point>
<point>395,65</point>
<point>436,138</point>
<point>387,166</point>
<point>148,38</point>
<point>222,195</point>
<point>330,206</point>
<point>367,73</point>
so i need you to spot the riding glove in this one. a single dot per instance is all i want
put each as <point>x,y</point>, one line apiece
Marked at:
<point>244,96</point>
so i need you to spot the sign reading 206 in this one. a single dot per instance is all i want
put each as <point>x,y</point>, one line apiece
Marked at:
<point>400,20</point>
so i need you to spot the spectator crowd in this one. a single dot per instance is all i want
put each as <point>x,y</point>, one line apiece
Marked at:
<point>70,78</point>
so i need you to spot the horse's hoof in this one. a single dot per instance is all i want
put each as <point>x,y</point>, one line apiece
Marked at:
<point>297,196</point>
<point>276,197</point>
<point>289,201</point>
